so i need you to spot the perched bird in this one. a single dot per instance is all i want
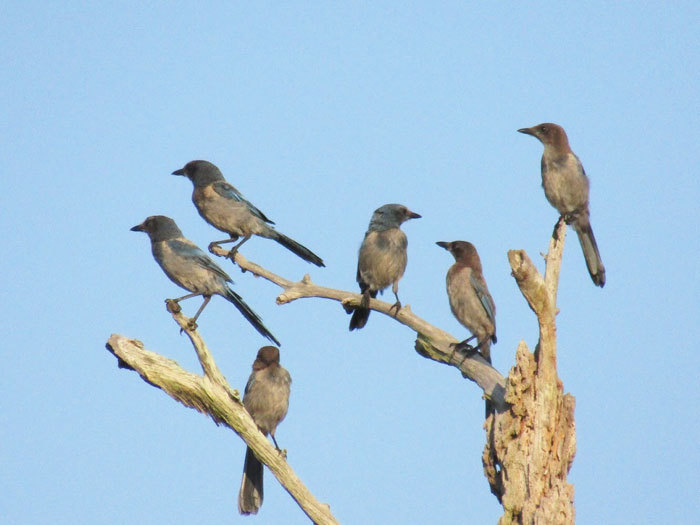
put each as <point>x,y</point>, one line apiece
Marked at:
<point>190,268</point>
<point>266,399</point>
<point>382,259</point>
<point>566,187</point>
<point>470,300</point>
<point>223,206</point>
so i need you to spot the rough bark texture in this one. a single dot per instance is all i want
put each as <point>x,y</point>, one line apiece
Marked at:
<point>531,445</point>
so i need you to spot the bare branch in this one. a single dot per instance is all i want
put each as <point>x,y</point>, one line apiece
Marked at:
<point>206,360</point>
<point>554,257</point>
<point>211,395</point>
<point>431,342</point>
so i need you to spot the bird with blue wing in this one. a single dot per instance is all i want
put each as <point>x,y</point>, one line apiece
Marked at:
<point>470,300</point>
<point>190,268</point>
<point>224,207</point>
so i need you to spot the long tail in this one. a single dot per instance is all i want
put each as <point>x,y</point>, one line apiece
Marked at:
<point>485,351</point>
<point>295,247</point>
<point>250,315</point>
<point>361,313</point>
<point>590,250</point>
<point>250,497</point>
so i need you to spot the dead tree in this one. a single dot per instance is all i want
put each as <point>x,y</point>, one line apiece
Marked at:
<point>530,439</point>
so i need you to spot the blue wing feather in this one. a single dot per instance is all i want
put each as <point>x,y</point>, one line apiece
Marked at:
<point>198,257</point>
<point>227,191</point>
<point>483,294</point>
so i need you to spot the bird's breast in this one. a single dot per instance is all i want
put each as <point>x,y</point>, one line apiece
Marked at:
<point>564,182</point>
<point>227,215</point>
<point>383,258</point>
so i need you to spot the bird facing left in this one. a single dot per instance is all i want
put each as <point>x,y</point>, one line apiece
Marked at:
<point>190,268</point>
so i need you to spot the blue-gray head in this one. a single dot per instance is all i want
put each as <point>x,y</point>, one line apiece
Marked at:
<point>159,228</point>
<point>390,216</point>
<point>200,172</point>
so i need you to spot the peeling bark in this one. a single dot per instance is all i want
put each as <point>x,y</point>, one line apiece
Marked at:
<point>531,446</point>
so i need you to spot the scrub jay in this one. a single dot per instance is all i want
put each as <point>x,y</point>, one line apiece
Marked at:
<point>566,187</point>
<point>382,259</point>
<point>266,399</point>
<point>225,208</point>
<point>190,268</point>
<point>470,300</point>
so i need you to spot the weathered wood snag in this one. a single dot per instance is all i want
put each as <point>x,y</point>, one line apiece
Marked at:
<point>531,445</point>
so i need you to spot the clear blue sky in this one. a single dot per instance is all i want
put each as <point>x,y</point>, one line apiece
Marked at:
<point>319,114</point>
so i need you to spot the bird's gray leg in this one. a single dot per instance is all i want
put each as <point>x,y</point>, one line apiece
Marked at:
<point>233,238</point>
<point>232,252</point>
<point>193,321</point>
<point>283,453</point>
<point>173,306</point>
<point>556,226</point>
<point>397,304</point>
<point>188,296</point>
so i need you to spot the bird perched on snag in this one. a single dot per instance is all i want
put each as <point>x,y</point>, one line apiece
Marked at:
<point>566,187</point>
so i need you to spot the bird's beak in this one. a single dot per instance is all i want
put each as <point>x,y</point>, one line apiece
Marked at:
<point>139,228</point>
<point>413,215</point>
<point>527,131</point>
<point>443,244</point>
<point>181,171</point>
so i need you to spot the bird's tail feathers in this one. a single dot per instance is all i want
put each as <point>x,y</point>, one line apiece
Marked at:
<point>250,497</point>
<point>359,318</point>
<point>298,249</point>
<point>250,315</point>
<point>361,313</point>
<point>590,251</point>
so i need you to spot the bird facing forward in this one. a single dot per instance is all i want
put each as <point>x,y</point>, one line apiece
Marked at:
<point>382,258</point>
<point>266,399</point>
